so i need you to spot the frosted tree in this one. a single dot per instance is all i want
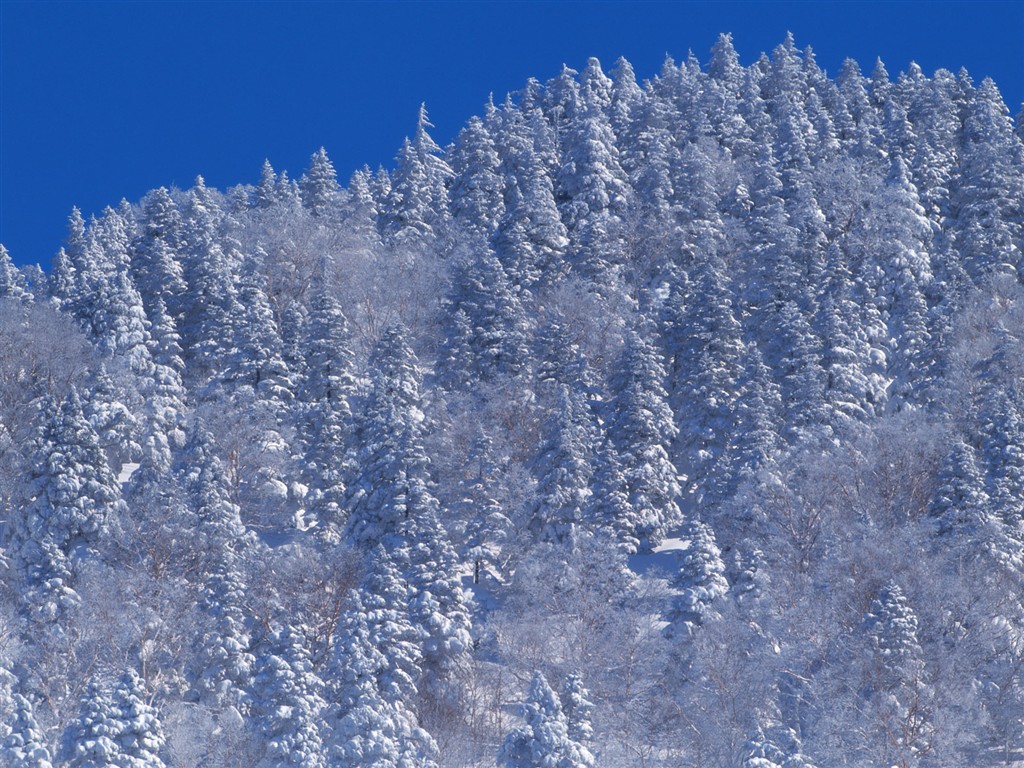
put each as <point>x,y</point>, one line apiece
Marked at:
<point>986,200</point>
<point>559,358</point>
<point>288,704</point>
<point>775,747</point>
<point>959,503</point>
<point>162,427</point>
<point>530,239</point>
<point>900,697</point>
<point>12,282</point>
<point>704,347</point>
<point>224,663</point>
<point>563,470</point>
<point>488,333</point>
<point>417,204</point>
<point>90,741</point>
<point>137,729</point>
<point>115,426</point>
<point>256,360</point>
<point>390,458</point>
<point>73,495</point>
<point>223,659</point>
<point>578,708</point>
<point>385,600</point>
<point>209,262</point>
<point>544,741</point>
<point>329,387</point>
<point>641,428</point>
<point>477,188</point>
<point>700,579</point>
<point>265,194</point>
<point>155,265</point>
<point>486,525</point>
<point>22,742</point>
<point>371,730</point>
<point>319,185</point>
<point>1002,454</point>
<point>592,194</point>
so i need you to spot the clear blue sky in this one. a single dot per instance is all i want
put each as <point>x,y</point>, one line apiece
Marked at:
<point>103,100</point>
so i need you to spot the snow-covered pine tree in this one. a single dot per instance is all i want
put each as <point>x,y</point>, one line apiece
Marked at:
<point>12,282</point>
<point>319,185</point>
<point>90,741</point>
<point>563,470</point>
<point>700,580</point>
<point>288,704</point>
<point>544,741</point>
<point>641,428</point>
<point>370,730</point>
<point>73,495</point>
<point>417,206</point>
<point>137,729</point>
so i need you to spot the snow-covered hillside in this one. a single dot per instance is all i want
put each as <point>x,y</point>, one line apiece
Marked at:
<point>649,424</point>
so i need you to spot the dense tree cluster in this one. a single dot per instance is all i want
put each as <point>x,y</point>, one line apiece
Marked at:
<point>676,422</point>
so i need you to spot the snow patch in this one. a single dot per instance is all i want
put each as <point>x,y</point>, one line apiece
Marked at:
<point>127,471</point>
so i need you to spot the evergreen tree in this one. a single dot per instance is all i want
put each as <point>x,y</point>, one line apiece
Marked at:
<point>544,741</point>
<point>486,526</point>
<point>138,732</point>
<point>417,206</point>
<point>641,428</point>
<point>563,471</point>
<point>288,704</point>
<point>329,387</point>
<point>986,200</point>
<point>155,266</point>
<point>22,744</point>
<point>488,331</point>
<point>73,495</point>
<point>959,503</point>
<point>90,741</point>
<point>530,239</point>
<point>577,706</point>
<point>256,357</point>
<point>700,579</point>
<point>319,185</point>
<point>477,189</point>
<point>12,282</point>
<point>371,730</point>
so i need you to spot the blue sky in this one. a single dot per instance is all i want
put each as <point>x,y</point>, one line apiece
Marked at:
<point>103,100</point>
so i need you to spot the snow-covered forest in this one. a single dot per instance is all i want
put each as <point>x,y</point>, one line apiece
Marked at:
<point>664,423</point>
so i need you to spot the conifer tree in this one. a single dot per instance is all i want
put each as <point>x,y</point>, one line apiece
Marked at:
<point>73,495</point>
<point>642,429</point>
<point>22,743</point>
<point>288,704</point>
<point>12,282</point>
<point>544,741</point>
<point>477,188</point>
<point>371,730</point>
<point>488,333</point>
<point>959,503</point>
<point>90,739</point>
<point>417,205</point>
<point>319,185</point>
<point>138,731</point>
<point>563,470</point>
<point>700,579</point>
<point>578,707</point>
<point>986,200</point>
<point>486,526</point>
<point>155,265</point>
<point>530,239</point>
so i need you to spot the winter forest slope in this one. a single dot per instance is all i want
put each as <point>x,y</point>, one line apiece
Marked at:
<point>675,423</point>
